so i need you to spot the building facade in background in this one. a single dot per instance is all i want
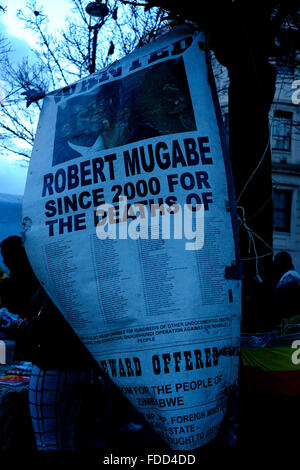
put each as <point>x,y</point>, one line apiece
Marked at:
<point>285,146</point>
<point>285,143</point>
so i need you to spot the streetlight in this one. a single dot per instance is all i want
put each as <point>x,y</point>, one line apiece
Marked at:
<point>98,10</point>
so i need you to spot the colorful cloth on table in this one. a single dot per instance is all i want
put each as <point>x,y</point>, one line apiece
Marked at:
<point>271,371</point>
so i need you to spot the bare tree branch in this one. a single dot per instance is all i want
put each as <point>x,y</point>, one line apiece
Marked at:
<point>63,57</point>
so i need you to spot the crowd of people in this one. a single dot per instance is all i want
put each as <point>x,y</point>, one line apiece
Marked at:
<point>63,370</point>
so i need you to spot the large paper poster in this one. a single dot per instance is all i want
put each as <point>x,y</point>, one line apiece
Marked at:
<point>129,224</point>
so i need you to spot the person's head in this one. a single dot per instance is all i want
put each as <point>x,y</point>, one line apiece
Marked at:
<point>282,263</point>
<point>13,253</point>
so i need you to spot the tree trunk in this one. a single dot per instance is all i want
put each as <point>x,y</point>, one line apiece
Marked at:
<point>242,43</point>
<point>249,103</point>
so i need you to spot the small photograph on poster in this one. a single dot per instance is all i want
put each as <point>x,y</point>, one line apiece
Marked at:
<point>148,103</point>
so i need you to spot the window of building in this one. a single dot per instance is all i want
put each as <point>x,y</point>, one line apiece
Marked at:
<point>282,205</point>
<point>282,130</point>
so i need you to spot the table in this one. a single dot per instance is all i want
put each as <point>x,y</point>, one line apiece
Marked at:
<point>15,425</point>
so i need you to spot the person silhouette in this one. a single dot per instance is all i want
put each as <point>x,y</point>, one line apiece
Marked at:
<point>287,287</point>
<point>62,368</point>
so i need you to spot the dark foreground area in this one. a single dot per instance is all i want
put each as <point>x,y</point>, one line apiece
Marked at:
<point>267,426</point>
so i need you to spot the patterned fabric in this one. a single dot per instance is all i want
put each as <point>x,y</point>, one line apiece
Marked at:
<point>290,278</point>
<point>55,398</point>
